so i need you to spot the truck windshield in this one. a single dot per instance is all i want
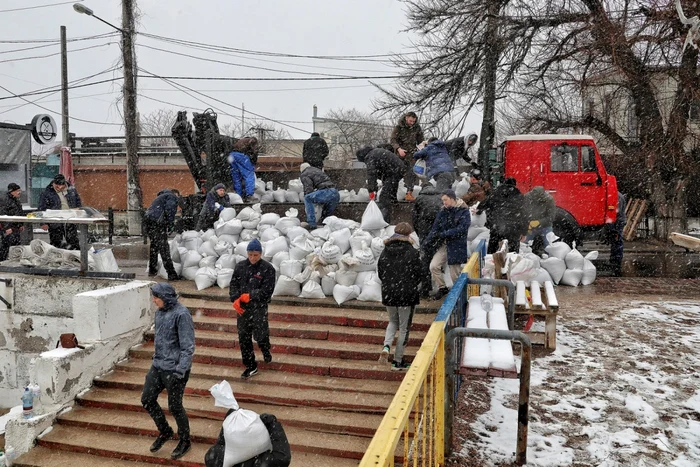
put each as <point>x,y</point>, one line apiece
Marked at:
<point>564,158</point>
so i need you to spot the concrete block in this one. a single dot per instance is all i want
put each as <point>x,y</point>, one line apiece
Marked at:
<point>105,313</point>
<point>20,433</point>
<point>9,391</point>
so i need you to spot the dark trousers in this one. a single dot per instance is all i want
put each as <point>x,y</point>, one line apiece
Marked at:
<point>387,197</point>
<point>409,177</point>
<point>158,236</point>
<point>253,325</point>
<point>59,232</point>
<point>617,250</point>
<point>7,241</point>
<point>156,381</point>
<point>496,237</point>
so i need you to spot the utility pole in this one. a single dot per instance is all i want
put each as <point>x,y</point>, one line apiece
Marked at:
<point>64,89</point>
<point>490,68</point>
<point>133,187</point>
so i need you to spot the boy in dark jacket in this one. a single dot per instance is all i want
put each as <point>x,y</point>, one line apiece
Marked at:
<point>315,150</point>
<point>505,215</point>
<point>438,163</point>
<point>389,168</point>
<point>158,221</point>
<point>399,269</point>
<point>318,189</point>
<point>59,194</point>
<point>10,205</point>
<point>172,360</point>
<point>449,236</point>
<point>250,291</point>
<point>279,456</point>
<point>405,138</point>
<point>217,199</point>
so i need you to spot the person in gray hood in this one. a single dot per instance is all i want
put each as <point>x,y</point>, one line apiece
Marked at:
<point>170,370</point>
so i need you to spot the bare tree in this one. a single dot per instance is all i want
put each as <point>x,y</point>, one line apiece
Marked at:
<point>158,123</point>
<point>347,130</point>
<point>551,53</point>
<point>271,136</point>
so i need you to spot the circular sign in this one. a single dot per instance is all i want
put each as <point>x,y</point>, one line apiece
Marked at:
<point>43,129</point>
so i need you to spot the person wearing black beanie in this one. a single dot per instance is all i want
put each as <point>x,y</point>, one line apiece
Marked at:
<point>10,205</point>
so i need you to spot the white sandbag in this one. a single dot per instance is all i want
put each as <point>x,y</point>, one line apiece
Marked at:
<point>286,286</point>
<point>474,244</point>
<point>307,274</point>
<point>346,277</point>
<point>208,262</point>
<point>525,248</point>
<point>522,269</point>
<point>207,235</point>
<point>572,277</point>
<point>301,247</point>
<point>207,249</point>
<point>291,197</point>
<point>365,257</point>
<point>474,232</point>
<point>230,227</point>
<point>363,195</point>
<point>240,258</point>
<point>269,218</point>
<point>366,276</point>
<point>227,214</point>
<point>242,249</point>
<point>342,293</point>
<point>267,197</point>
<point>542,276</point>
<point>401,193</point>
<point>330,252</point>
<point>558,250</point>
<point>190,258</point>
<point>478,220</point>
<point>327,284</point>
<point>322,233</point>
<point>163,273</point>
<point>352,197</point>
<point>371,292</point>
<point>174,251</point>
<point>295,186</point>
<point>230,239</point>
<point>589,269</point>
<point>534,258</point>
<point>358,238</point>
<point>377,246</point>
<point>277,258</point>
<point>235,198</point>
<point>223,277</point>
<point>372,218</point>
<point>251,224</point>
<point>291,267</point>
<point>343,195</point>
<point>190,272</point>
<point>335,223</point>
<point>555,267</point>
<point>312,289</point>
<point>259,186</point>
<point>294,232</point>
<point>247,235</point>
<point>341,238</point>
<point>245,437</point>
<point>285,224</point>
<point>105,260</point>
<point>192,244</point>
<point>205,278</point>
<point>574,259</point>
<point>245,213</point>
<point>278,195</point>
<point>222,247</point>
<point>274,246</point>
<point>269,234</point>
<point>462,187</point>
<point>226,261</point>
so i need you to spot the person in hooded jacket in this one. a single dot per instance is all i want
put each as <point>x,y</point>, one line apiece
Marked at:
<point>60,194</point>
<point>386,166</point>
<point>158,221</point>
<point>461,147</point>
<point>399,269</point>
<point>438,163</point>
<point>10,205</point>
<point>170,370</point>
<point>540,209</point>
<point>315,150</point>
<point>279,456</point>
<point>505,215</point>
<point>478,190</point>
<point>217,199</point>
<point>243,159</point>
<point>405,138</point>
<point>449,236</point>
<point>318,189</point>
<point>426,209</point>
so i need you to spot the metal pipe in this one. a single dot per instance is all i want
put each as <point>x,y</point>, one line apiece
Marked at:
<point>110,229</point>
<point>511,294</point>
<point>452,372</point>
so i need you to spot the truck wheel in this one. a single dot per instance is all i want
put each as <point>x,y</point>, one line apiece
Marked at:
<point>566,228</point>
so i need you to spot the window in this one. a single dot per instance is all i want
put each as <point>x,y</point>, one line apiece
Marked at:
<point>587,159</point>
<point>564,159</point>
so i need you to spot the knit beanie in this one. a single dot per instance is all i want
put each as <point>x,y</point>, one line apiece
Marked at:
<point>304,166</point>
<point>12,187</point>
<point>450,193</point>
<point>254,245</point>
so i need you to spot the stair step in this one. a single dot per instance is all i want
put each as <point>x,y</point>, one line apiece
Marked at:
<point>252,391</point>
<point>363,369</point>
<point>309,418</point>
<point>41,456</point>
<point>216,373</point>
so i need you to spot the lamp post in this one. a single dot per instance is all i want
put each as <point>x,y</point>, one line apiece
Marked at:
<point>133,188</point>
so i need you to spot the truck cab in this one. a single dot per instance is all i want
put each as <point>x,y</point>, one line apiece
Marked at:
<point>569,168</point>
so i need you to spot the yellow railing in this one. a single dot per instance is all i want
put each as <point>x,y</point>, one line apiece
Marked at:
<point>417,412</point>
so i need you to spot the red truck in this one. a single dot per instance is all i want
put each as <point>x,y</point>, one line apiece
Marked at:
<point>569,167</point>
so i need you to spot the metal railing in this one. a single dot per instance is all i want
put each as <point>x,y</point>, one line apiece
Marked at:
<point>416,415</point>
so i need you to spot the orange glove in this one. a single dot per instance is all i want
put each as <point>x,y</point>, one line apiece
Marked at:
<point>237,307</point>
<point>244,298</point>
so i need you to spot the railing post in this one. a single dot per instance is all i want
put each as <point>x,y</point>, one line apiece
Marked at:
<point>144,232</point>
<point>110,228</point>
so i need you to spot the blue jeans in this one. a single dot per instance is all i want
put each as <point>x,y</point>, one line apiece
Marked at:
<point>242,169</point>
<point>539,231</point>
<point>329,198</point>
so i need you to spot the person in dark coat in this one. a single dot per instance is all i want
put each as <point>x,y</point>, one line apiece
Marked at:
<point>438,163</point>
<point>318,189</point>
<point>389,168</point>
<point>405,138</point>
<point>449,235</point>
<point>158,222</point>
<point>315,150</point>
<point>217,199</point>
<point>59,194</point>
<point>428,204</point>
<point>399,269</point>
<point>250,291</point>
<point>461,147</point>
<point>170,370</point>
<point>243,159</point>
<point>279,456</point>
<point>539,208</point>
<point>505,215</point>
<point>10,205</point>
<point>478,190</point>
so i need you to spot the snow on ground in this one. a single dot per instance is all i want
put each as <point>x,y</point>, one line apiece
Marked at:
<point>621,389</point>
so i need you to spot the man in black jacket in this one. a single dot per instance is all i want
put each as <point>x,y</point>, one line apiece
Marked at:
<point>59,194</point>
<point>217,199</point>
<point>505,215</point>
<point>426,209</point>
<point>382,164</point>
<point>250,290</point>
<point>158,221</point>
<point>10,205</point>
<point>315,150</point>
<point>318,189</point>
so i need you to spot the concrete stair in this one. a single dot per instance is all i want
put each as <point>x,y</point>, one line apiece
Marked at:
<point>324,384</point>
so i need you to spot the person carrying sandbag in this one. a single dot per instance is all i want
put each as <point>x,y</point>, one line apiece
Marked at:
<point>158,221</point>
<point>318,189</point>
<point>217,199</point>
<point>382,164</point>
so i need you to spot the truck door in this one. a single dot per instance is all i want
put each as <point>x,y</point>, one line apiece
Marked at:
<point>591,188</point>
<point>563,179</point>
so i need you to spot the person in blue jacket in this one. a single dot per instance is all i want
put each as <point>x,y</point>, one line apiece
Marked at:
<point>242,160</point>
<point>448,238</point>
<point>170,370</point>
<point>158,221</point>
<point>438,163</point>
<point>60,194</point>
<point>217,199</point>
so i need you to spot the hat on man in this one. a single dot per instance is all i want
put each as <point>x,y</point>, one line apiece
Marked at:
<point>254,245</point>
<point>12,187</point>
<point>315,133</point>
<point>59,179</point>
<point>403,228</point>
<point>304,166</point>
<point>450,193</point>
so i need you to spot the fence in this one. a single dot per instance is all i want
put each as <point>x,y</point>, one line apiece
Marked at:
<point>417,413</point>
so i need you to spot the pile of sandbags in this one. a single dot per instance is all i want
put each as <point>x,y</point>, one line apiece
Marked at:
<point>39,254</point>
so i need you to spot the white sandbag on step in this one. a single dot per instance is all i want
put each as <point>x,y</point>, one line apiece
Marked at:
<point>342,293</point>
<point>574,259</point>
<point>286,223</point>
<point>230,239</point>
<point>341,238</point>
<point>295,186</point>
<point>190,258</point>
<point>223,277</point>
<point>227,214</point>
<point>278,195</point>
<point>322,232</point>
<point>246,213</point>
<point>207,235</point>
<point>377,246</point>
<point>230,227</point>
<point>335,223</point>
<point>291,197</point>
<point>365,259</point>
<point>371,291</point>
<point>226,261</point>
<point>274,246</point>
<point>208,262</point>
<point>301,247</point>
<point>312,289</point>
<point>251,224</point>
<point>296,231</point>
<point>358,238</point>
<point>555,267</point>
<point>247,235</point>
<point>242,249</point>
<point>589,269</point>
<point>330,252</point>
<point>572,277</point>
<point>291,267</point>
<point>267,197</point>
<point>362,195</point>
<point>222,247</point>
<point>372,218</point>
<point>192,243</point>
<point>269,218</point>
<point>346,277</point>
<point>235,198</point>
<point>327,283</point>
<point>205,278</point>
<point>207,249</point>
<point>269,234</point>
<point>558,250</point>
<point>286,286</point>
<point>279,257</point>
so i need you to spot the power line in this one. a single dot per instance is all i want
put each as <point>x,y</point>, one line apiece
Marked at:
<point>87,96</point>
<point>37,93</point>
<point>212,78</point>
<point>56,41</point>
<point>57,53</point>
<point>267,90</point>
<point>39,6</point>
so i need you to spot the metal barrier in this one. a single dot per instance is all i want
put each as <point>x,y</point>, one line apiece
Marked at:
<point>417,412</point>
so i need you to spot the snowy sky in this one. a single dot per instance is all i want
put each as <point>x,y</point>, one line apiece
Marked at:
<point>302,27</point>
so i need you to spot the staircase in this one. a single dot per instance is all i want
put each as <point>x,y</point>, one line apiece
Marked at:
<point>324,385</point>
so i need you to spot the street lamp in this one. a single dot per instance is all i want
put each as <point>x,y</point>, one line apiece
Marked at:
<point>133,188</point>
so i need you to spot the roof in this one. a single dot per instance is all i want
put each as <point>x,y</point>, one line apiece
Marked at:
<point>547,137</point>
